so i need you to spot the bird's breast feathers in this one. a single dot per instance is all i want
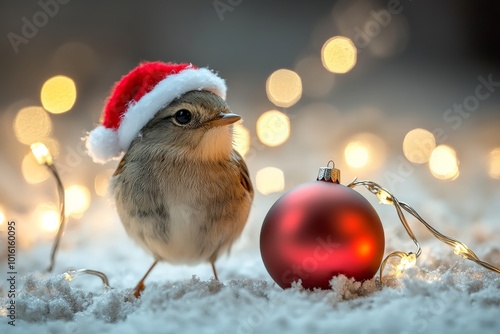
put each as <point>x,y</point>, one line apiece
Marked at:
<point>183,214</point>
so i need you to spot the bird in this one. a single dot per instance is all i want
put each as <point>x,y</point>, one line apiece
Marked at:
<point>181,190</point>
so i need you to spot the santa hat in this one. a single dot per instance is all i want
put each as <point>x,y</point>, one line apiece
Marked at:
<point>138,96</point>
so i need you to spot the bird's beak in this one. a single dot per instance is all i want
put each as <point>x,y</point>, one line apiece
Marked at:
<point>224,119</point>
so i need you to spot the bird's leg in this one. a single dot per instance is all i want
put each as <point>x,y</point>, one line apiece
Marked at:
<point>213,268</point>
<point>140,286</point>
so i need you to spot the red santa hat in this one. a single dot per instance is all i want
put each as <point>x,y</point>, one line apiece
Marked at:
<point>138,96</point>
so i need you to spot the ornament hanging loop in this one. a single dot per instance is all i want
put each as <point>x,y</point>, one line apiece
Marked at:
<point>329,174</point>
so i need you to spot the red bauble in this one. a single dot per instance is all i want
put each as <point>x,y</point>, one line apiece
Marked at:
<point>319,230</point>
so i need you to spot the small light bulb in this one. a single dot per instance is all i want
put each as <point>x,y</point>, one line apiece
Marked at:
<point>41,153</point>
<point>406,262</point>
<point>71,275</point>
<point>461,250</point>
<point>409,261</point>
<point>68,276</point>
<point>384,197</point>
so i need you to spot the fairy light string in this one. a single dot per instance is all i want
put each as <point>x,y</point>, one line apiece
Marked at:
<point>408,260</point>
<point>43,157</point>
<point>71,275</point>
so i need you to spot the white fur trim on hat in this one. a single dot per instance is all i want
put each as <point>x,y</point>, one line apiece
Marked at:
<point>167,90</point>
<point>102,144</point>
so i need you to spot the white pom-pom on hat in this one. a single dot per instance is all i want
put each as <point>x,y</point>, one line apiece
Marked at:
<point>102,144</point>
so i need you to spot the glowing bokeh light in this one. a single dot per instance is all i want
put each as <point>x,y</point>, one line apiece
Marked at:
<point>32,124</point>
<point>365,150</point>
<point>284,88</point>
<point>418,145</point>
<point>2,217</point>
<point>339,54</point>
<point>58,94</point>
<point>273,128</point>
<point>494,163</point>
<point>241,138</point>
<point>443,163</point>
<point>101,182</point>
<point>32,171</point>
<point>48,216</point>
<point>356,154</point>
<point>270,180</point>
<point>77,199</point>
<point>50,220</point>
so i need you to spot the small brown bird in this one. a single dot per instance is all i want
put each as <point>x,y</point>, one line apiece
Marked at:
<point>181,191</point>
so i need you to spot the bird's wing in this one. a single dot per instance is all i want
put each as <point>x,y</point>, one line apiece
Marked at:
<point>244,174</point>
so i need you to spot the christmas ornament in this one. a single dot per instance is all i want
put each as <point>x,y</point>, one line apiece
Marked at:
<point>319,230</point>
<point>306,229</point>
<point>182,192</point>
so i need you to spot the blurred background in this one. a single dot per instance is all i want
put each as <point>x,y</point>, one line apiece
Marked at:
<point>404,93</point>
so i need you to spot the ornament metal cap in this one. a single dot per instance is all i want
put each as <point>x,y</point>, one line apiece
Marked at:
<point>329,174</point>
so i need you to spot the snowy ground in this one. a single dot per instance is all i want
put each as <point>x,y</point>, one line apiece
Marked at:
<point>442,294</point>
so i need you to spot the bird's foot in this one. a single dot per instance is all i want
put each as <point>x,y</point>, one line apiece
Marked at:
<point>138,289</point>
<point>131,298</point>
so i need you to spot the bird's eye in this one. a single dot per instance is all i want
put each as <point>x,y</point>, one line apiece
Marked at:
<point>183,116</point>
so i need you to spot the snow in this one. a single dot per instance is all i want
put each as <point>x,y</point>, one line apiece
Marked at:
<point>443,293</point>
<point>448,299</point>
